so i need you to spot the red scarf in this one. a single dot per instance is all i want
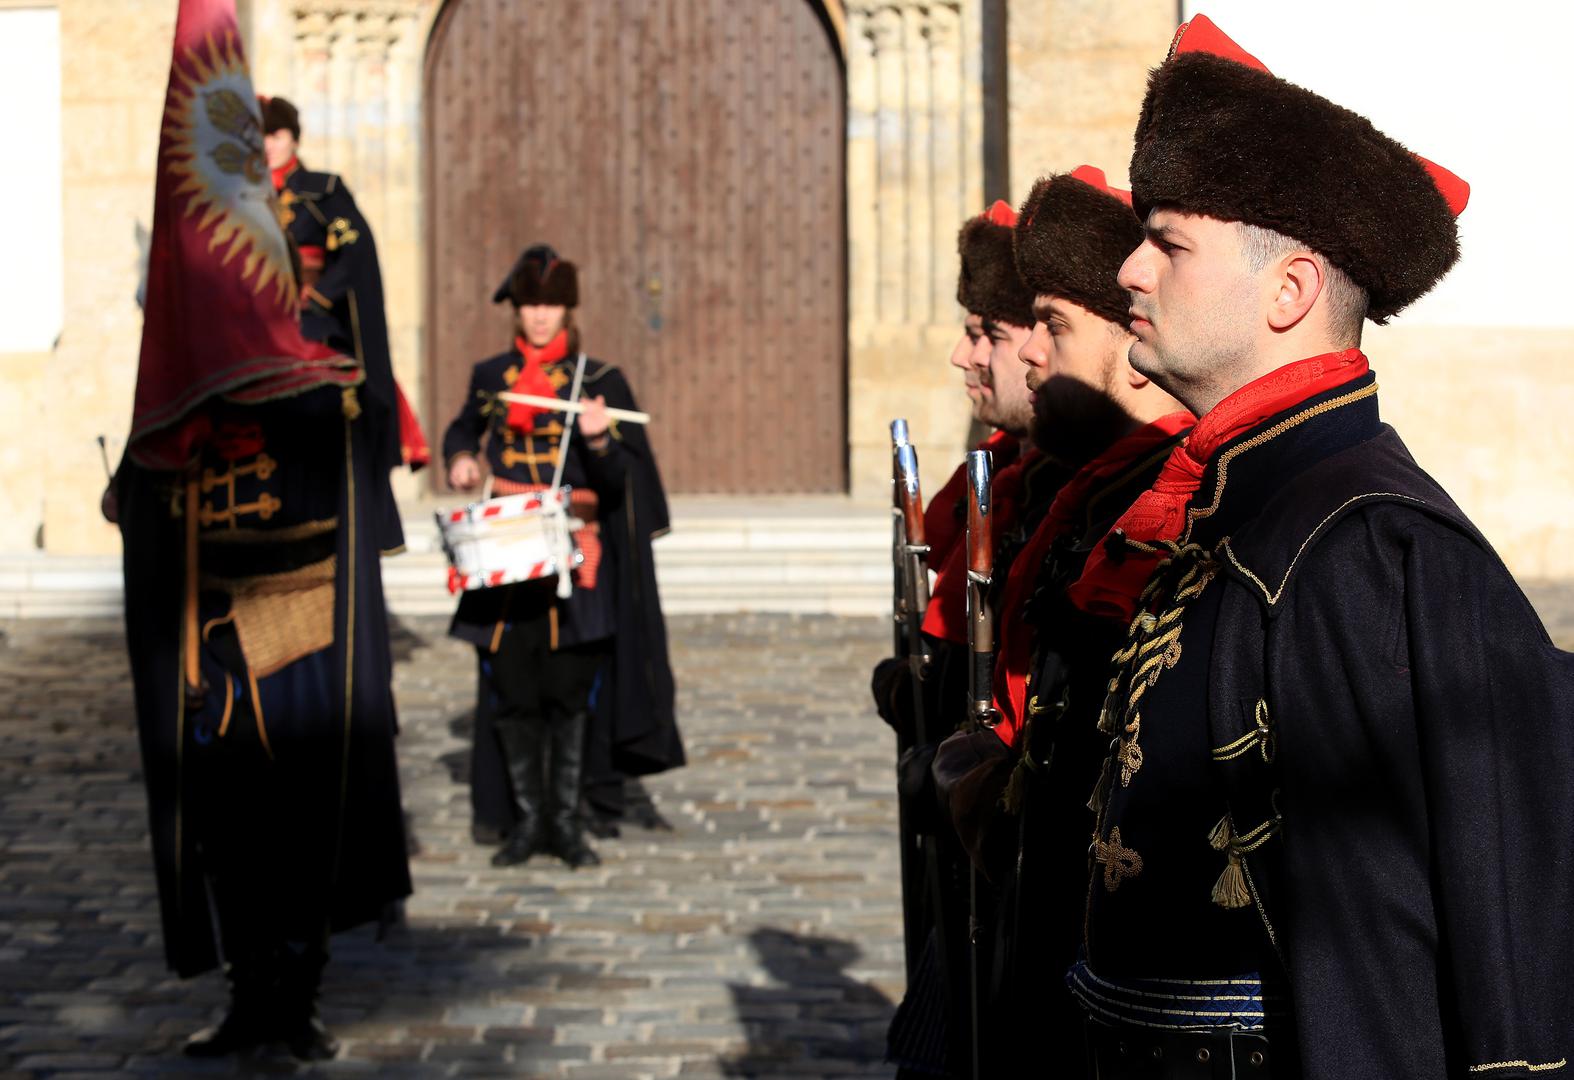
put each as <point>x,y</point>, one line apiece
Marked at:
<point>533,379</point>
<point>942,525</point>
<point>947,615</point>
<point>1016,636</point>
<point>283,171</point>
<point>1110,588</point>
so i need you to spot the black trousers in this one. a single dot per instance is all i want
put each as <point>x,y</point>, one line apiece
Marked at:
<point>528,682</point>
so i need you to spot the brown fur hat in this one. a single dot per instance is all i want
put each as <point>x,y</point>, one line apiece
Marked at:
<point>1073,233</point>
<point>989,285</point>
<point>278,114</point>
<point>540,277</point>
<point>1221,136</point>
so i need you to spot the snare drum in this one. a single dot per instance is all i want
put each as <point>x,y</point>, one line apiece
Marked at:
<point>509,539</point>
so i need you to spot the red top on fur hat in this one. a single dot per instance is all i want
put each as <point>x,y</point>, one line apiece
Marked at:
<point>1201,35</point>
<point>1093,176</point>
<point>1001,214</point>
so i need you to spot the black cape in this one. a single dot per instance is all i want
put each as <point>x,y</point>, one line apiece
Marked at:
<point>334,750</point>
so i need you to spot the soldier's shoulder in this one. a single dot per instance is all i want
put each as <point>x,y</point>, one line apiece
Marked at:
<point>600,371</point>
<point>492,369</point>
<point>308,183</point>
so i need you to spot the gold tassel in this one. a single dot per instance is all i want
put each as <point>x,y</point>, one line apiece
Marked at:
<point>1230,890</point>
<point>351,404</point>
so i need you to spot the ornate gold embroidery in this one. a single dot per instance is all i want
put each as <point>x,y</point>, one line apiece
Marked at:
<point>341,234</point>
<point>513,457</point>
<point>510,374</point>
<point>1119,861</point>
<point>284,207</point>
<point>262,467</point>
<point>1153,655</point>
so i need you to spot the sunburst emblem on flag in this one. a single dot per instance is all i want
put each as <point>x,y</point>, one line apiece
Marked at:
<point>214,146</point>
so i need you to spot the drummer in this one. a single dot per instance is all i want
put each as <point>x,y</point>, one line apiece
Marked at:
<point>540,657</point>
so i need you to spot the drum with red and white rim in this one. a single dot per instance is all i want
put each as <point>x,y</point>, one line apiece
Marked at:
<point>508,539</point>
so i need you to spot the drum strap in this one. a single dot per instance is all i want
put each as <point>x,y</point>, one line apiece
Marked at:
<point>568,423</point>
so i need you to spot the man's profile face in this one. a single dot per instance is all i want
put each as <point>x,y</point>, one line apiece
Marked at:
<point>1072,363</point>
<point>1194,300</point>
<point>540,323</point>
<point>1009,407</point>
<point>962,357</point>
<point>279,147</point>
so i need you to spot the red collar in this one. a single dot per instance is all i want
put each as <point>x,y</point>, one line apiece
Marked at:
<point>1016,636</point>
<point>283,171</point>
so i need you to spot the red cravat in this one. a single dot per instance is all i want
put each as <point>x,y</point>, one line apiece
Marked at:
<point>1016,636</point>
<point>533,379</point>
<point>1111,588</point>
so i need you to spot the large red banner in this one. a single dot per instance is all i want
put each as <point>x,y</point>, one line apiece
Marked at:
<point>221,311</point>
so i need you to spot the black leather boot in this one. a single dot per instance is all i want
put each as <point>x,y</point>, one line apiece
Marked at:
<point>299,1026</point>
<point>522,748</point>
<point>250,1021</point>
<point>565,828</point>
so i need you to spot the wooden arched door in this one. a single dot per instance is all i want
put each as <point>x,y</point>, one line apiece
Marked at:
<point>687,155</point>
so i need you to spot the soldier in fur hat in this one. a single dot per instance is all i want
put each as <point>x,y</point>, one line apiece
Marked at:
<point>341,283</point>
<point>933,1029</point>
<point>1113,427</point>
<point>540,657</point>
<point>1333,830</point>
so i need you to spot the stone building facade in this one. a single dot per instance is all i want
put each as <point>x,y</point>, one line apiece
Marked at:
<point>949,103</point>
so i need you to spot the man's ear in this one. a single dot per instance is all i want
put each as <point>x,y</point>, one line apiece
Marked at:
<point>1300,283</point>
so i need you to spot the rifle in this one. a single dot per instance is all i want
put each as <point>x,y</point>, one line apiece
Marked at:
<point>980,682</point>
<point>910,600</point>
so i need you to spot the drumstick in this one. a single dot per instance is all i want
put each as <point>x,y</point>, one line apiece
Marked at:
<point>628,416</point>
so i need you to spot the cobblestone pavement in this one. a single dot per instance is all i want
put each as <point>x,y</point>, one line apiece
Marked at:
<point>761,938</point>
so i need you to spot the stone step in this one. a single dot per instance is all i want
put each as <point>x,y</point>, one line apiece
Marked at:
<point>799,555</point>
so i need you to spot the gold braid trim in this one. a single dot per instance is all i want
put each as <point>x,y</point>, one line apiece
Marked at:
<point>1194,516</point>
<point>1262,739</point>
<point>1544,1067</point>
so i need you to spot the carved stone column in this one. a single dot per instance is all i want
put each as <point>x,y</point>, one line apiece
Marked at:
<point>914,173</point>
<point>334,148</point>
<point>356,76</point>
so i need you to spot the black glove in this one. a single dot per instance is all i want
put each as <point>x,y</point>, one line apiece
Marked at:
<point>892,687</point>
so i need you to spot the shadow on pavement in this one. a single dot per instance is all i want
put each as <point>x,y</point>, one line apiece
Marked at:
<point>812,1013</point>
